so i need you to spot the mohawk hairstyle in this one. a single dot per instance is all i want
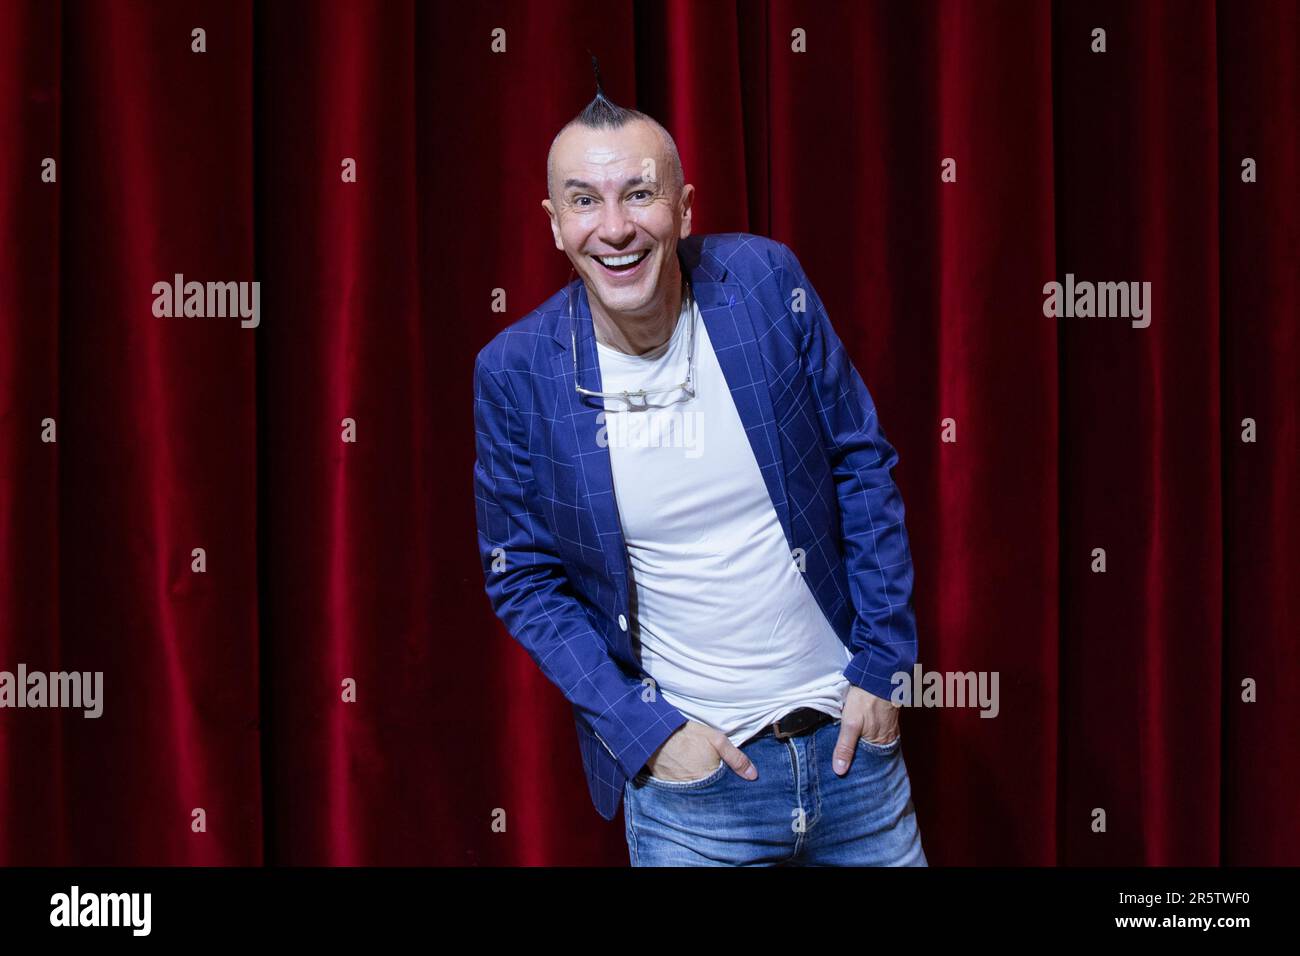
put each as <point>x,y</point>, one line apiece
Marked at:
<point>604,113</point>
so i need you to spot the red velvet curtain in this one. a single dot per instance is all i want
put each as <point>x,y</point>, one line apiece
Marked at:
<point>330,561</point>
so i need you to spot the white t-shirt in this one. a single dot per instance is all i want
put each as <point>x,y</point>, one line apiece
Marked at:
<point>728,626</point>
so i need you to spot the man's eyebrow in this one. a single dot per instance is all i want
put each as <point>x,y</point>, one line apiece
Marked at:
<point>579,184</point>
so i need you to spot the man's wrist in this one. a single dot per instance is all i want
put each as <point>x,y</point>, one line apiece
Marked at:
<point>665,720</point>
<point>857,674</point>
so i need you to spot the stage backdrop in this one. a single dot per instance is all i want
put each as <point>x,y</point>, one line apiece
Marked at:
<point>932,165</point>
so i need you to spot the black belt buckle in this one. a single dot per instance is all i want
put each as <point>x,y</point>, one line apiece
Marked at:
<point>799,722</point>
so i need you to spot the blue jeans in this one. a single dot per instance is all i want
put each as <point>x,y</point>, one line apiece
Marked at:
<point>799,812</point>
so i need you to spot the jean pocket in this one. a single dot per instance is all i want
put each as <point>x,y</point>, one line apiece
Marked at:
<point>714,775</point>
<point>876,748</point>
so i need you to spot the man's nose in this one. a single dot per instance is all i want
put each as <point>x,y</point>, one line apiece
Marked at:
<point>615,226</point>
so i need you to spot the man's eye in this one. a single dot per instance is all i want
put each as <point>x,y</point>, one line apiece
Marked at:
<point>642,192</point>
<point>578,201</point>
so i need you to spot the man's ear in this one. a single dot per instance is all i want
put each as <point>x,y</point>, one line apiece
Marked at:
<point>688,194</point>
<point>555,226</point>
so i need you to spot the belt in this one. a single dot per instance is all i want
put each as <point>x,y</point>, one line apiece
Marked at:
<point>794,724</point>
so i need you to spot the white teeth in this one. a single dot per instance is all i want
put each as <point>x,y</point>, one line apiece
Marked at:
<point>622,260</point>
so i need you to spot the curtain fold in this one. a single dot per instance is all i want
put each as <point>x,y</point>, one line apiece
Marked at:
<point>264,537</point>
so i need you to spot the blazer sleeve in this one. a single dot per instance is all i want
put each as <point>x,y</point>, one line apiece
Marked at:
<point>530,590</point>
<point>877,557</point>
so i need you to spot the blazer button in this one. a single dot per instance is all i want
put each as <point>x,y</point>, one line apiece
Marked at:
<point>622,622</point>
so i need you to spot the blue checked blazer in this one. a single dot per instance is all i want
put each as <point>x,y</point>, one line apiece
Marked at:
<point>555,564</point>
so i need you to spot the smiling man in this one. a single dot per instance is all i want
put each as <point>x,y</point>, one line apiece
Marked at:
<point>725,620</point>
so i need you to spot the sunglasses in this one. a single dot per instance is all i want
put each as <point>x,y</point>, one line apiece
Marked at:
<point>630,395</point>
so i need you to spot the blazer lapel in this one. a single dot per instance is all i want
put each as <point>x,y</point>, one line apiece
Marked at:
<point>731,333</point>
<point>595,472</point>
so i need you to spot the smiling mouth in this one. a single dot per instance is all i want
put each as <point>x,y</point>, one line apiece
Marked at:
<point>622,263</point>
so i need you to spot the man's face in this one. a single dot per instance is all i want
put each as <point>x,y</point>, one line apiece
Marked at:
<point>613,198</point>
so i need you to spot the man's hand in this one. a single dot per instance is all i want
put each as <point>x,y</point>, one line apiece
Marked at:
<point>693,751</point>
<point>865,715</point>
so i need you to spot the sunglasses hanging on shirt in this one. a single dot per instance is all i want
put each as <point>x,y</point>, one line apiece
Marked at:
<point>628,395</point>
